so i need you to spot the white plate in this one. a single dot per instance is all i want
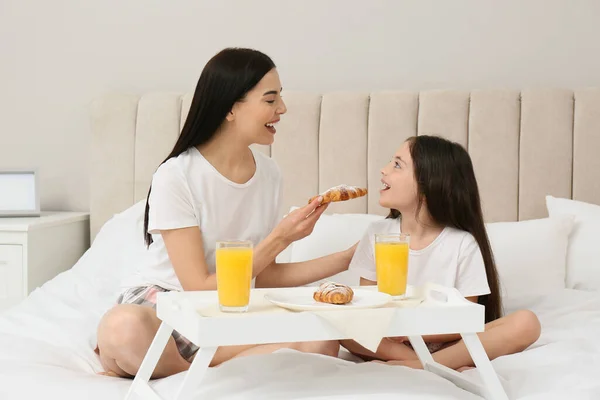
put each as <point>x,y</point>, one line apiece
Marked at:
<point>301,299</point>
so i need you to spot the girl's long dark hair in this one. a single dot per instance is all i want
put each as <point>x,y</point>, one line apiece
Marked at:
<point>225,80</point>
<point>446,184</point>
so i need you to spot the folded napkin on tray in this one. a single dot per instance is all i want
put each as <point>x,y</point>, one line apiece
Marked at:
<point>366,326</point>
<point>369,325</point>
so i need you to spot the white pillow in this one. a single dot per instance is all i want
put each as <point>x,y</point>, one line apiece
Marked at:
<point>115,252</point>
<point>332,233</point>
<point>530,255</point>
<point>583,255</point>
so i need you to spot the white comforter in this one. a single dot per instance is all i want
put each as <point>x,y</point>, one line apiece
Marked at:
<point>47,342</point>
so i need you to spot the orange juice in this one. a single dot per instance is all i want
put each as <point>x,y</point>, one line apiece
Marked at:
<point>234,277</point>
<point>391,262</point>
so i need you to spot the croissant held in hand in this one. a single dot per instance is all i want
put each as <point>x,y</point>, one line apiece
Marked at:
<point>341,193</point>
<point>333,293</point>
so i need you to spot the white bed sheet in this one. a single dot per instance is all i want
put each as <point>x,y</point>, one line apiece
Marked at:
<point>47,342</point>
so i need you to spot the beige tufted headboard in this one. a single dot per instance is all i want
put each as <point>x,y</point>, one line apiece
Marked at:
<point>524,145</point>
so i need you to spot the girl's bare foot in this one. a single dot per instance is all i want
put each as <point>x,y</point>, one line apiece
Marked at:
<point>416,364</point>
<point>461,369</point>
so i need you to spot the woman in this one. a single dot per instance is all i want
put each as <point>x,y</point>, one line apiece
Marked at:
<point>213,186</point>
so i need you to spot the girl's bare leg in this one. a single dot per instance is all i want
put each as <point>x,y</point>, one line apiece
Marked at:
<point>506,335</point>
<point>386,351</point>
<point>327,348</point>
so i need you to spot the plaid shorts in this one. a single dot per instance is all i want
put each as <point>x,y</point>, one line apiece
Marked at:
<point>146,296</point>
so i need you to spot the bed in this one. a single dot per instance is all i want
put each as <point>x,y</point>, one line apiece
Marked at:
<point>535,155</point>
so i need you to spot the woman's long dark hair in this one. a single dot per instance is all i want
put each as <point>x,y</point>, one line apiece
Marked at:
<point>225,80</point>
<point>446,184</point>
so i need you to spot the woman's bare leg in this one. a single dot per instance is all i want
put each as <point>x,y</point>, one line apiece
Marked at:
<point>124,337</point>
<point>506,335</point>
<point>126,332</point>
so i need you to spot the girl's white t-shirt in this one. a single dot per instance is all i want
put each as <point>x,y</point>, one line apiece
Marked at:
<point>188,191</point>
<point>453,259</point>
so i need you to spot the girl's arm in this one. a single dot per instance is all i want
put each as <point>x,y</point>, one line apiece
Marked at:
<point>186,252</point>
<point>305,272</point>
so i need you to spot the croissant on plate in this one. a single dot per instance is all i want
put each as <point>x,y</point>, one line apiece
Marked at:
<point>341,193</point>
<point>333,293</point>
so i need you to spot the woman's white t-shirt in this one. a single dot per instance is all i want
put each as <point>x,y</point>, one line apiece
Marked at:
<point>453,259</point>
<point>188,191</point>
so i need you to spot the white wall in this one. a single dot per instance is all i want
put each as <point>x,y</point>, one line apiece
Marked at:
<point>56,56</point>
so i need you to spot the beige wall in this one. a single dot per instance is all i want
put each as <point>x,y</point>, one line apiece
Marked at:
<point>58,55</point>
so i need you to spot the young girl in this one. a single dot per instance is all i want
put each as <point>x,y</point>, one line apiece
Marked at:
<point>213,186</point>
<point>431,189</point>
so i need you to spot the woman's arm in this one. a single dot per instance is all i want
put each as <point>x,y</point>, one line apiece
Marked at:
<point>186,252</point>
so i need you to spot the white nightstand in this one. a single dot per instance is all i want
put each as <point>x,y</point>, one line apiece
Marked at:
<point>34,250</point>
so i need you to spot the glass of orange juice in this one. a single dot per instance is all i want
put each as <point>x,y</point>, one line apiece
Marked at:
<point>391,263</point>
<point>234,274</point>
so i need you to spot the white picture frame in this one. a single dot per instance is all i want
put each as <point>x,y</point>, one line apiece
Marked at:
<point>19,193</point>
